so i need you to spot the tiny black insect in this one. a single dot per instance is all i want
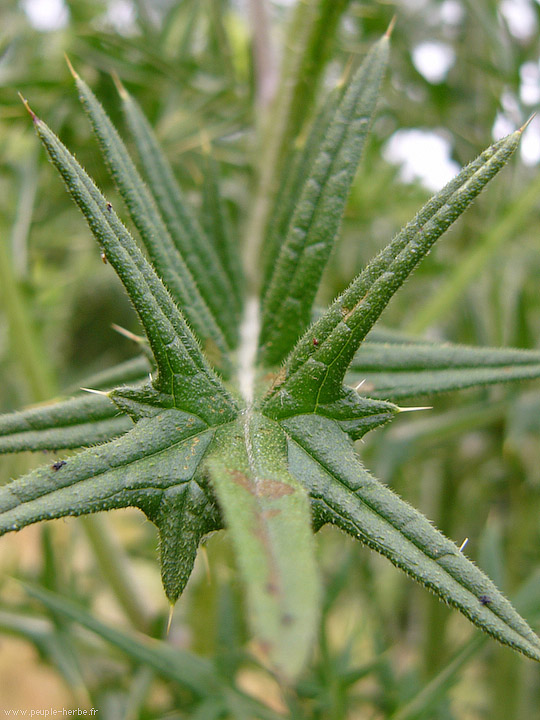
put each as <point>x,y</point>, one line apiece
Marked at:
<point>57,465</point>
<point>484,600</point>
<point>109,206</point>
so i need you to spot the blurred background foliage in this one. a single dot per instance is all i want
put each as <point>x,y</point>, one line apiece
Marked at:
<point>462,72</point>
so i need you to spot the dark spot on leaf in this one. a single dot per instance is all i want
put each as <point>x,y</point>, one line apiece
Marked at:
<point>109,206</point>
<point>57,465</point>
<point>272,588</point>
<point>315,342</point>
<point>287,619</point>
<point>265,647</point>
<point>484,600</point>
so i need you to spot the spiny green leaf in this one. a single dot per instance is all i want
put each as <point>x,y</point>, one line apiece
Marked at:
<point>438,686</point>
<point>211,274</point>
<point>395,371</point>
<point>153,467</point>
<point>305,251</point>
<point>74,422</point>
<point>384,260</point>
<point>66,424</point>
<point>183,372</point>
<point>148,221</point>
<point>345,494</point>
<point>267,514</point>
<point>315,371</point>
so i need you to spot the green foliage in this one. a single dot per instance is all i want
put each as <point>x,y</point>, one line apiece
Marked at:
<point>252,430</point>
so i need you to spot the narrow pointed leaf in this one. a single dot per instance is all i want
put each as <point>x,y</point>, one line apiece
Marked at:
<point>188,670</point>
<point>297,168</point>
<point>396,371</point>
<point>153,467</point>
<point>148,221</point>
<point>345,494</point>
<point>217,224</point>
<point>211,275</point>
<point>183,371</point>
<point>315,372</point>
<point>314,225</point>
<point>267,514</point>
<point>72,423</point>
<point>386,257</point>
<point>181,666</point>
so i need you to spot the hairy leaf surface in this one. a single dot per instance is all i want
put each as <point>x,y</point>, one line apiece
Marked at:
<point>395,371</point>
<point>211,275</point>
<point>153,467</point>
<point>268,516</point>
<point>268,455</point>
<point>316,368</point>
<point>346,495</point>
<point>306,248</point>
<point>153,231</point>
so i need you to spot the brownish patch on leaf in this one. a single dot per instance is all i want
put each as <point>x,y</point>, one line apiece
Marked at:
<point>279,379</point>
<point>349,313</point>
<point>274,488</point>
<point>269,514</point>
<point>263,648</point>
<point>242,480</point>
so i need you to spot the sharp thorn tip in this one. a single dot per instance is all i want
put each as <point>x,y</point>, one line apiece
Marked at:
<point>95,392</point>
<point>70,67</point>
<point>169,619</point>
<point>413,409</point>
<point>390,27</point>
<point>121,90</point>
<point>127,333</point>
<point>27,106</point>
<point>526,124</point>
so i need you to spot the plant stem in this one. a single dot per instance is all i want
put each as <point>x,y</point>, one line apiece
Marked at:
<point>264,54</point>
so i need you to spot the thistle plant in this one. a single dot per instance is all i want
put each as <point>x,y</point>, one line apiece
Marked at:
<point>242,409</point>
